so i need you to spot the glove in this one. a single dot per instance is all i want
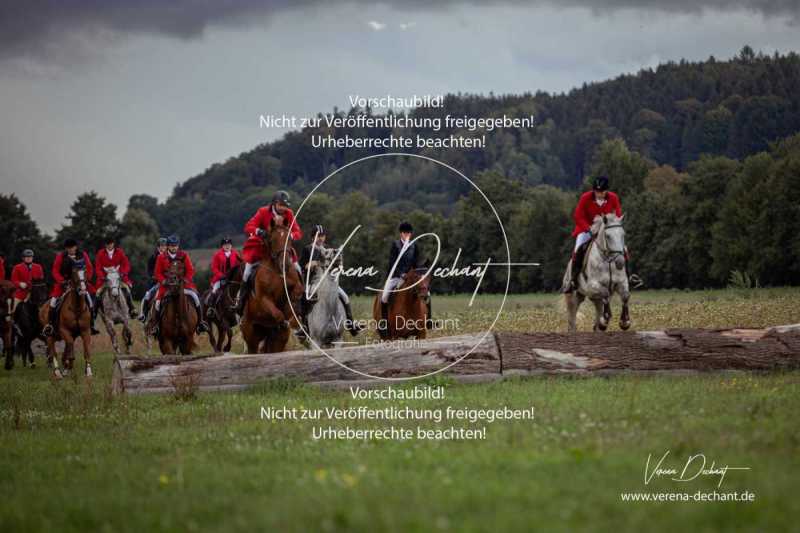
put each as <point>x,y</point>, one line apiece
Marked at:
<point>260,232</point>
<point>23,285</point>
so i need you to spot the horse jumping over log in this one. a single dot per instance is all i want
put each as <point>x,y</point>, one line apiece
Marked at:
<point>114,309</point>
<point>220,313</point>
<point>26,322</point>
<point>408,311</point>
<point>602,275</point>
<point>74,320</point>
<point>268,315</point>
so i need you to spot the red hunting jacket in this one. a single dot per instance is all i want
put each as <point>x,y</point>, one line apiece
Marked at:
<point>117,259</point>
<point>253,247</point>
<point>23,274</point>
<point>164,261</point>
<point>221,265</point>
<point>587,209</point>
<point>263,217</point>
<point>2,269</point>
<point>60,277</point>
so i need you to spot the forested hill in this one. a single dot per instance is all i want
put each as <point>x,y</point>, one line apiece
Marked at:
<point>670,115</point>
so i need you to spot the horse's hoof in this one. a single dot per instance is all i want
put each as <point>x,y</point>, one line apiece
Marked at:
<point>57,374</point>
<point>602,327</point>
<point>33,365</point>
<point>625,325</point>
<point>65,372</point>
<point>89,371</point>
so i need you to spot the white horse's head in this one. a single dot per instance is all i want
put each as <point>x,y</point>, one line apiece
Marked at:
<point>112,280</point>
<point>611,237</point>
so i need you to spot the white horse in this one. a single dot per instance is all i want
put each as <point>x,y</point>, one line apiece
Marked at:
<point>114,309</point>
<point>326,320</point>
<point>603,274</point>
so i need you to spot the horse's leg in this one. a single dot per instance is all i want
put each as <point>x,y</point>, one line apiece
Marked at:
<point>624,318</point>
<point>599,308</point>
<point>272,311</point>
<point>571,299</point>
<point>87,353</point>
<point>110,329</point>
<point>127,335</point>
<point>211,337</point>
<point>66,355</point>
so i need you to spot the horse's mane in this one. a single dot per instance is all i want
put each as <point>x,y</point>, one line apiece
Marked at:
<point>610,218</point>
<point>231,274</point>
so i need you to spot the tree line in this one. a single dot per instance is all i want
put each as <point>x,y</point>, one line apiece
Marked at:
<point>703,155</point>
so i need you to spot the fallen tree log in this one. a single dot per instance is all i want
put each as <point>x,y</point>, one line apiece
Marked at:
<point>492,356</point>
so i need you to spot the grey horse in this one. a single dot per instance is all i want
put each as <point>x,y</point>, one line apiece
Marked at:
<point>114,309</point>
<point>326,320</point>
<point>603,275</point>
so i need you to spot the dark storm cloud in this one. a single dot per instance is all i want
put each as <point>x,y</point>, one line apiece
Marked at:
<point>44,28</point>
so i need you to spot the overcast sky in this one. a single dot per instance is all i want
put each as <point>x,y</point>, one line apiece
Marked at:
<point>125,100</point>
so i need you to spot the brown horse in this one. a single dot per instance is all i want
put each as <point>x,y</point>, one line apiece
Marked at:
<point>268,314</point>
<point>178,320</point>
<point>74,320</point>
<point>407,314</point>
<point>220,313</point>
<point>7,321</point>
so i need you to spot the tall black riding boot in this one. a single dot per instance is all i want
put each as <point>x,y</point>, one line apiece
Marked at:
<point>352,326</point>
<point>383,324</point>
<point>429,321</point>
<point>129,301</point>
<point>577,266</point>
<point>95,309</point>
<point>50,329</point>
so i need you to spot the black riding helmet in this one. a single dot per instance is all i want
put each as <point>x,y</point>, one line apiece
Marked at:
<point>225,240</point>
<point>405,227</point>
<point>320,230</point>
<point>173,240</point>
<point>600,183</point>
<point>69,243</point>
<point>281,197</point>
<point>110,240</point>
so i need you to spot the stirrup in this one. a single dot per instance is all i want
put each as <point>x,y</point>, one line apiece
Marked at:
<point>48,330</point>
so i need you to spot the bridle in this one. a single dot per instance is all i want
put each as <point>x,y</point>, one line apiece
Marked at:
<point>609,255</point>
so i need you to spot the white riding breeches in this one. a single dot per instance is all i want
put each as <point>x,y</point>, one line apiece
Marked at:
<point>187,292</point>
<point>215,287</point>
<point>586,236</point>
<point>391,284</point>
<point>248,269</point>
<point>343,296</point>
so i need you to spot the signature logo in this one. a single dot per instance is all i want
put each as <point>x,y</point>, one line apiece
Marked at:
<point>695,466</point>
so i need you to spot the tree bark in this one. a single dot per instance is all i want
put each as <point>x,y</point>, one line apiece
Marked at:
<point>485,357</point>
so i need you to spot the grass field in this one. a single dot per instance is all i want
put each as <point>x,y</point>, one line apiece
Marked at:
<point>76,458</point>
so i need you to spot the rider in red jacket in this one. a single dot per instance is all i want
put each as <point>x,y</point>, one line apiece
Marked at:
<point>23,277</point>
<point>225,260</point>
<point>109,258</point>
<point>62,271</point>
<point>255,229</point>
<point>163,263</point>
<point>598,201</point>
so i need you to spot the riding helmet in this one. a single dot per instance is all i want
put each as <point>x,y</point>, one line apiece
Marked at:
<point>406,227</point>
<point>319,230</point>
<point>225,240</point>
<point>69,243</point>
<point>162,241</point>
<point>27,252</point>
<point>173,240</point>
<point>109,240</point>
<point>281,197</point>
<point>600,183</point>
